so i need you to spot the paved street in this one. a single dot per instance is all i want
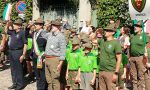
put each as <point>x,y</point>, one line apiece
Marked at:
<point>5,81</point>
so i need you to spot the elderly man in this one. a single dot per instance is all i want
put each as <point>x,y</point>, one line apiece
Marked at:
<point>55,55</point>
<point>17,51</point>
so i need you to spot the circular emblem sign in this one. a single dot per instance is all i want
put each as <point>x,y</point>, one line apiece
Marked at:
<point>20,7</point>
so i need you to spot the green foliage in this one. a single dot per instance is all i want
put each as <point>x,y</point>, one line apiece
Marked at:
<point>14,15</point>
<point>28,11</point>
<point>2,6</point>
<point>112,9</point>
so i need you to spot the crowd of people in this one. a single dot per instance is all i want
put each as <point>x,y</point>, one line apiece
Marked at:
<point>61,57</point>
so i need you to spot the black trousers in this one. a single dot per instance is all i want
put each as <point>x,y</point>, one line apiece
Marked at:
<point>40,76</point>
<point>16,68</point>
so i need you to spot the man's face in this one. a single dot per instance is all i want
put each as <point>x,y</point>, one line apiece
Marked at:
<point>138,3</point>
<point>99,35</point>
<point>15,26</point>
<point>138,29</point>
<point>75,46</point>
<point>87,50</point>
<point>109,33</point>
<point>54,28</point>
<point>0,24</point>
<point>87,23</point>
<point>38,26</point>
<point>122,30</point>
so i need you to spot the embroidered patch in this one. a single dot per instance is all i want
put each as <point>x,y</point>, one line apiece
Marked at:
<point>75,56</point>
<point>140,37</point>
<point>52,46</point>
<point>89,62</point>
<point>109,46</point>
<point>17,35</point>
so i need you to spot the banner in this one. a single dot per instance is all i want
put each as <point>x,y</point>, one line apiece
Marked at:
<point>139,9</point>
<point>7,12</point>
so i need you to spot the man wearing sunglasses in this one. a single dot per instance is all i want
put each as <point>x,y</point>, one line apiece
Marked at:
<point>110,59</point>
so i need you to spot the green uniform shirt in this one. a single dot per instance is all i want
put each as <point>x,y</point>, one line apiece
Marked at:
<point>117,34</point>
<point>88,63</point>
<point>69,45</point>
<point>124,60</point>
<point>29,43</point>
<point>148,50</point>
<point>108,50</point>
<point>73,60</point>
<point>82,51</point>
<point>137,47</point>
<point>68,50</point>
<point>95,52</point>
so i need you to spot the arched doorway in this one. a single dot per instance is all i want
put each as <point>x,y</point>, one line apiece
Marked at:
<point>52,9</point>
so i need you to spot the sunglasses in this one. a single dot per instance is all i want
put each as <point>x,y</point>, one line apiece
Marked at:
<point>109,31</point>
<point>138,26</point>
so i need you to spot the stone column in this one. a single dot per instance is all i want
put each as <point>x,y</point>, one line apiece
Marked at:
<point>84,11</point>
<point>36,9</point>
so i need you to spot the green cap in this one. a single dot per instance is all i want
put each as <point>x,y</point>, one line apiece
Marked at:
<point>88,45</point>
<point>66,33</point>
<point>86,40</point>
<point>138,24</point>
<point>111,27</point>
<point>56,22</point>
<point>18,21</point>
<point>83,36</point>
<point>76,40</point>
<point>73,30</point>
<point>39,21</point>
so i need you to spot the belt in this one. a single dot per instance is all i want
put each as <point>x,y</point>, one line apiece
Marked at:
<point>16,49</point>
<point>137,56</point>
<point>51,56</point>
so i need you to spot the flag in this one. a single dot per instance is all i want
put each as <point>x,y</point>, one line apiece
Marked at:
<point>7,12</point>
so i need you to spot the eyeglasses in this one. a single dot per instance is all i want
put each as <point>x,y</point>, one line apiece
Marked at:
<point>109,31</point>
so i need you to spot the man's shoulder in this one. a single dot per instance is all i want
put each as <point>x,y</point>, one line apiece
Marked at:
<point>115,41</point>
<point>44,32</point>
<point>60,34</point>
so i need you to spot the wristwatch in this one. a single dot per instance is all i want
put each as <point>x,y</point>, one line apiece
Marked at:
<point>116,73</point>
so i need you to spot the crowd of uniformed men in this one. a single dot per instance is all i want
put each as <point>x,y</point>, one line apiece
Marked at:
<point>61,57</point>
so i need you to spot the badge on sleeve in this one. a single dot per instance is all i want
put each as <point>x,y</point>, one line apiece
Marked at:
<point>52,46</point>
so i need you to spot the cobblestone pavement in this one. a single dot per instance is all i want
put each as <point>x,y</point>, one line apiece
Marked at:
<point>5,81</point>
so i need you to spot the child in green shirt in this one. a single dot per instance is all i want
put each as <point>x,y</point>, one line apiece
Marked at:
<point>73,60</point>
<point>87,68</point>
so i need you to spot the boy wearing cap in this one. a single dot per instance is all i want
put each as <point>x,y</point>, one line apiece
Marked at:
<point>110,59</point>
<point>137,51</point>
<point>95,52</point>
<point>87,68</point>
<point>73,61</point>
<point>84,39</point>
<point>17,51</point>
<point>72,34</point>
